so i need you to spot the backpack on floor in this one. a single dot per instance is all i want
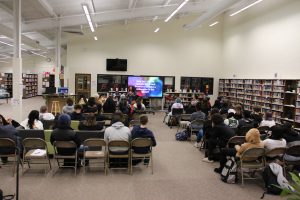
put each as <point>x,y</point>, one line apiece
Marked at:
<point>181,136</point>
<point>229,172</point>
<point>271,183</point>
<point>233,123</point>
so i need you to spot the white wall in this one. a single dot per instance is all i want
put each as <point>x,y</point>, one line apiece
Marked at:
<point>262,41</point>
<point>170,52</point>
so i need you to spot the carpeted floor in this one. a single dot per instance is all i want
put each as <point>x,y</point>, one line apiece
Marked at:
<point>179,174</point>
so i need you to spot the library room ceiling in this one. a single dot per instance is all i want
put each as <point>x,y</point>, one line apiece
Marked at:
<point>40,18</point>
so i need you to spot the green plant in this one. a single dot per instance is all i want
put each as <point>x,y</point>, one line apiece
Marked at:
<point>292,194</point>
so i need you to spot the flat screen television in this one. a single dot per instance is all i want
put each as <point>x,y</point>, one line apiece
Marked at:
<point>116,64</point>
<point>63,90</point>
<point>146,86</point>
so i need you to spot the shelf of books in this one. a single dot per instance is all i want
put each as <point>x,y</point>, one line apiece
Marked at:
<point>30,82</point>
<point>282,97</point>
<point>6,82</point>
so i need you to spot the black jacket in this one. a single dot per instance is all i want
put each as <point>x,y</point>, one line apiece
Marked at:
<point>138,132</point>
<point>96,127</point>
<point>8,131</point>
<point>77,116</point>
<point>221,133</point>
<point>64,135</point>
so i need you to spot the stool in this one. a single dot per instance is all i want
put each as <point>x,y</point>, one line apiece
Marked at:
<point>55,107</point>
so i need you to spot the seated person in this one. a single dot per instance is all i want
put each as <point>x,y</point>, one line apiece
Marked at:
<point>198,115</point>
<point>256,115</point>
<point>98,102</point>
<point>90,123</point>
<point>142,132</point>
<point>245,124</point>
<point>226,104</point>
<point>69,107</point>
<point>139,106</point>
<point>276,140</point>
<point>8,131</point>
<point>109,106</point>
<point>91,106</point>
<point>220,134</point>
<point>176,105</point>
<point>44,115</point>
<point>252,141</point>
<point>77,114</point>
<point>268,120</point>
<point>124,106</point>
<point>238,111</point>
<point>207,126</point>
<point>231,121</point>
<point>9,121</point>
<point>289,134</point>
<point>32,122</point>
<point>117,131</point>
<point>63,132</point>
<point>218,103</point>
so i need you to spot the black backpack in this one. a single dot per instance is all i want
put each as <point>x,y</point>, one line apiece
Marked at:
<point>271,183</point>
<point>229,172</point>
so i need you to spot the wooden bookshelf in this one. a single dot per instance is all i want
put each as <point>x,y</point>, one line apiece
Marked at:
<point>282,97</point>
<point>186,98</point>
<point>30,82</point>
<point>6,82</point>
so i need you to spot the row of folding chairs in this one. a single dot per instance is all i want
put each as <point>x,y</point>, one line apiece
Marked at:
<point>35,151</point>
<point>256,157</point>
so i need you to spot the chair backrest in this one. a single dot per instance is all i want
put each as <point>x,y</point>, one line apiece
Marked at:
<point>7,143</point>
<point>48,124</point>
<point>31,133</point>
<point>75,124</point>
<point>94,142</point>
<point>134,123</point>
<point>293,149</point>
<point>185,117</point>
<point>64,144</point>
<point>107,115</point>
<point>280,151</point>
<point>195,124</point>
<point>84,135</point>
<point>141,142</point>
<point>118,143</point>
<point>253,153</point>
<point>34,143</point>
<point>236,140</point>
<point>177,111</point>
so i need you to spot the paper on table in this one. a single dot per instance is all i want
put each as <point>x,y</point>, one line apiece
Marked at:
<point>38,152</point>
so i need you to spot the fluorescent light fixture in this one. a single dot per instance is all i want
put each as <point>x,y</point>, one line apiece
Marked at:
<point>38,54</point>
<point>88,17</point>
<point>167,2</point>
<point>177,9</point>
<point>6,43</point>
<point>156,30</point>
<point>95,38</point>
<point>245,8</point>
<point>215,23</point>
<point>155,18</point>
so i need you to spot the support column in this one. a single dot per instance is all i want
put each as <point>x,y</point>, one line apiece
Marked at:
<point>57,56</point>
<point>17,64</point>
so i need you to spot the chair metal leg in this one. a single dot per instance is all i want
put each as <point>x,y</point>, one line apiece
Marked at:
<point>242,173</point>
<point>84,169</point>
<point>151,159</point>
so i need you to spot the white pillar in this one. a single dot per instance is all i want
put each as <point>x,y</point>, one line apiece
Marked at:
<point>17,64</point>
<point>57,56</point>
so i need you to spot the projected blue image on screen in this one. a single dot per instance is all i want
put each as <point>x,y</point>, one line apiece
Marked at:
<point>146,86</point>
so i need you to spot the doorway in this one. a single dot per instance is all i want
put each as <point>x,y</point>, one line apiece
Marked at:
<point>83,85</point>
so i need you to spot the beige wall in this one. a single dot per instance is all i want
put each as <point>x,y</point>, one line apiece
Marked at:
<point>170,52</point>
<point>263,40</point>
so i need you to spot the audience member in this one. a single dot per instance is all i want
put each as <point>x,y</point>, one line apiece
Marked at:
<point>77,114</point>
<point>219,136</point>
<point>8,131</point>
<point>246,121</point>
<point>177,105</point>
<point>90,123</point>
<point>44,115</point>
<point>256,116</point>
<point>238,111</point>
<point>195,116</point>
<point>289,134</point>
<point>139,106</point>
<point>124,107</point>
<point>9,121</point>
<point>142,132</point>
<point>226,105</point>
<point>69,107</point>
<point>231,121</point>
<point>33,122</point>
<point>252,141</point>
<point>91,106</point>
<point>109,105</point>
<point>276,140</point>
<point>268,120</point>
<point>63,132</point>
<point>217,103</point>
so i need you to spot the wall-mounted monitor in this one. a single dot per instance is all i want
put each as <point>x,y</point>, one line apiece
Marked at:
<point>146,86</point>
<point>116,64</point>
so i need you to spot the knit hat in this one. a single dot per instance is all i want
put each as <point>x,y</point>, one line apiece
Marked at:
<point>64,119</point>
<point>231,111</point>
<point>178,100</point>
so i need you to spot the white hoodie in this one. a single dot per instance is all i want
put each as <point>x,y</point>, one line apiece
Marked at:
<point>117,131</point>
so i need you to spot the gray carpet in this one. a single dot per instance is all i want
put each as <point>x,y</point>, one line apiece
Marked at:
<point>179,174</point>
